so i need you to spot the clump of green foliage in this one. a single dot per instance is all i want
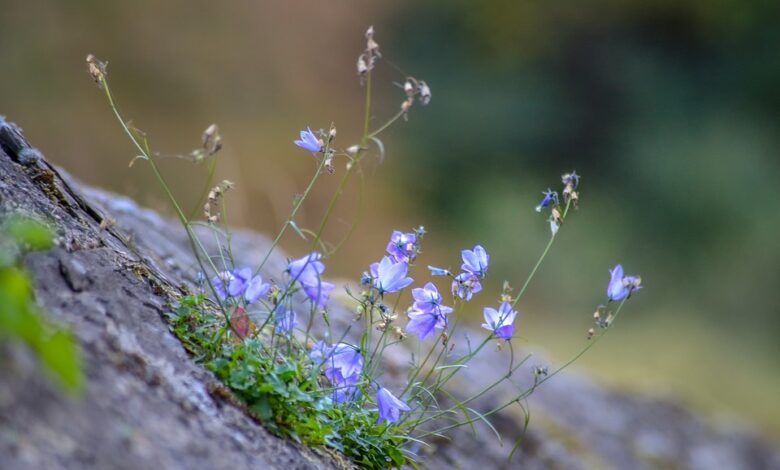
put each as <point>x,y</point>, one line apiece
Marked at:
<point>283,388</point>
<point>20,317</point>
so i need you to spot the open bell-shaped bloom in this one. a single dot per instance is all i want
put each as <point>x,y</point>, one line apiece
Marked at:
<point>402,246</point>
<point>390,276</point>
<point>465,285</point>
<point>308,141</point>
<point>501,321</point>
<point>255,289</point>
<point>475,261</point>
<point>389,406</point>
<point>424,324</point>
<point>619,285</point>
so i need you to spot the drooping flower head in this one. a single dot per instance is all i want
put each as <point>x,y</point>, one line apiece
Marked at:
<point>619,285</point>
<point>465,284</point>
<point>307,270</point>
<point>475,261</point>
<point>402,246</point>
<point>550,197</point>
<point>501,321</point>
<point>389,406</point>
<point>390,276</point>
<point>308,141</point>
<point>285,320</point>
<point>255,289</point>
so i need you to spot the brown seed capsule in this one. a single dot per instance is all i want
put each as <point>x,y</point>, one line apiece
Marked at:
<point>591,332</point>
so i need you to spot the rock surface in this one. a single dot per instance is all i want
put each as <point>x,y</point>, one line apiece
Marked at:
<point>115,269</point>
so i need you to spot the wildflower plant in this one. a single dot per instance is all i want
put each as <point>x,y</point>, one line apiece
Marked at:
<point>269,336</point>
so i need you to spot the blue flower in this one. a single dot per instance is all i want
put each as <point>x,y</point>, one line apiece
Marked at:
<point>423,324</point>
<point>402,246</point>
<point>318,292</point>
<point>255,289</point>
<point>306,268</point>
<point>307,271</point>
<point>236,280</point>
<point>285,320</point>
<point>428,299</point>
<point>219,281</point>
<point>390,276</point>
<point>550,196</point>
<point>439,271</point>
<point>475,261</point>
<point>465,284</point>
<point>389,406</point>
<point>501,321</point>
<point>619,285</point>
<point>308,141</point>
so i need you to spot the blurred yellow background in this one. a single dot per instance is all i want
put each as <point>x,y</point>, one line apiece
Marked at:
<point>669,111</point>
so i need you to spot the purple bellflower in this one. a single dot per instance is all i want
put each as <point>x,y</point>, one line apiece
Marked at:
<point>390,276</point>
<point>238,282</point>
<point>402,246</point>
<point>428,299</point>
<point>285,320</point>
<point>423,324</point>
<point>219,281</point>
<point>232,283</point>
<point>475,261</point>
<point>428,313</point>
<point>389,406</point>
<point>550,197</point>
<point>307,270</point>
<point>255,289</point>
<point>308,141</point>
<point>619,285</point>
<point>465,284</point>
<point>343,365</point>
<point>501,321</point>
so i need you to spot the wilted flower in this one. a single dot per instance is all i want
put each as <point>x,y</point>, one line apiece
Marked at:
<point>285,320</point>
<point>620,286</point>
<point>425,93</point>
<point>465,284</point>
<point>255,289</point>
<point>571,179</point>
<point>402,246</point>
<point>550,197</point>
<point>501,321</point>
<point>390,276</point>
<point>554,225</point>
<point>308,141</point>
<point>475,261</point>
<point>389,406</point>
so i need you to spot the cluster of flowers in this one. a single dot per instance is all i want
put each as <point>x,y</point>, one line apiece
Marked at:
<point>550,199</point>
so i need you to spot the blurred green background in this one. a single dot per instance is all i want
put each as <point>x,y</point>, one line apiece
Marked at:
<point>670,110</point>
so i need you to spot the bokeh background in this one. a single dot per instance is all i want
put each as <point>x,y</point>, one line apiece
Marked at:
<point>670,110</point>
